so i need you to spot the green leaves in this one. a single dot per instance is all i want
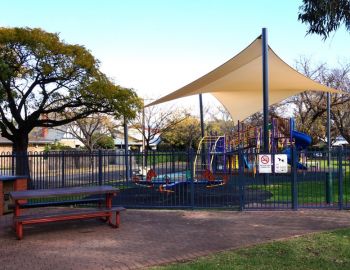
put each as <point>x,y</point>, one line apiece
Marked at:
<point>43,80</point>
<point>325,16</point>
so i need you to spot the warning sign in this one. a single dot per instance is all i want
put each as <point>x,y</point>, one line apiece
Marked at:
<point>265,164</point>
<point>281,163</point>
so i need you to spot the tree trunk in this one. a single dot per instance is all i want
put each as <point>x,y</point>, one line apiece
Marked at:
<point>20,150</point>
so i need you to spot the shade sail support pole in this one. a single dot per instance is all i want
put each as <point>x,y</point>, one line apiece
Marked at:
<point>126,145</point>
<point>265,73</point>
<point>329,184</point>
<point>201,114</point>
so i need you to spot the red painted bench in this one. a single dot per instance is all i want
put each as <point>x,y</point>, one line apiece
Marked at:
<point>80,213</point>
<point>53,215</point>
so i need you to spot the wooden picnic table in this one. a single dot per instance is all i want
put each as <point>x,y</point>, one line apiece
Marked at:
<point>21,197</point>
<point>10,183</point>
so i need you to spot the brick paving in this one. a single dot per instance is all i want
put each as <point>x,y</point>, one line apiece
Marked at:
<point>154,237</point>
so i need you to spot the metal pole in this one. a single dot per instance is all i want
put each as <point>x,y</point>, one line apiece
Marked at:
<point>265,73</point>
<point>329,185</point>
<point>126,144</point>
<point>294,182</point>
<point>329,122</point>
<point>201,114</point>
<point>340,179</point>
<point>143,136</point>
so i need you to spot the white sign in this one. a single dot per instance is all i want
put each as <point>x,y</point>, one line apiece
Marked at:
<point>265,164</point>
<point>281,163</point>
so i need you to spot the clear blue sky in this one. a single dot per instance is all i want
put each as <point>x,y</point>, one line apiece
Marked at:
<point>157,46</point>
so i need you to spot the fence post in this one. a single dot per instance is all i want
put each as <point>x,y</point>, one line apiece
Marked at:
<point>126,161</point>
<point>130,164</point>
<point>100,167</point>
<point>340,179</point>
<point>190,157</point>
<point>63,168</point>
<point>241,180</point>
<point>172,161</point>
<point>13,163</point>
<point>154,160</point>
<point>294,184</point>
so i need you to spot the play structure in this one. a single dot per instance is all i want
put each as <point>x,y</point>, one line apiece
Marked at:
<point>217,153</point>
<point>217,156</point>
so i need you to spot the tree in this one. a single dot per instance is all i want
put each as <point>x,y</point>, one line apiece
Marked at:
<point>104,141</point>
<point>311,107</point>
<point>153,121</point>
<point>43,80</point>
<point>221,121</point>
<point>340,113</point>
<point>89,130</point>
<point>183,135</point>
<point>325,16</point>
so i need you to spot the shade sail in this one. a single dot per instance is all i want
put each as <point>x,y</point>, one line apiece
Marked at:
<point>237,84</point>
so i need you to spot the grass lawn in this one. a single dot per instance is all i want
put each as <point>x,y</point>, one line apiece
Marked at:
<point>308,191</point>
<point>330,250</point>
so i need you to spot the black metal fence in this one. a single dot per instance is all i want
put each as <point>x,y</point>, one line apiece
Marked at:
<point>315,179</point>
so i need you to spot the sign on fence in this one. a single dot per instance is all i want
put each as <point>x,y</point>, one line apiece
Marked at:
<point>281,164</point>
<point>265,164</point>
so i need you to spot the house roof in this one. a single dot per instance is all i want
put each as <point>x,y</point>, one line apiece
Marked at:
<point>39,136</point>
<point>134,137</point>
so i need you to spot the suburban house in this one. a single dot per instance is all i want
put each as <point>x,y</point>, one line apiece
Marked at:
<point>340,141</point>
<point>134,139</point>
<point>39,138</point>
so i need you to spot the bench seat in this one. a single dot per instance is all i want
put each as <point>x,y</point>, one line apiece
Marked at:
<point>58,203</point>
<point>71,214</point>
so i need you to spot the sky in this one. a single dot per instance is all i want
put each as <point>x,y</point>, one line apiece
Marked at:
<point>158,46</point>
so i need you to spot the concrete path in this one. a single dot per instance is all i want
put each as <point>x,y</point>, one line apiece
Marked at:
<point>149,238</point>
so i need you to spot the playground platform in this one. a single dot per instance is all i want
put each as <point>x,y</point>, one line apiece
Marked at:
<point>172,236</point>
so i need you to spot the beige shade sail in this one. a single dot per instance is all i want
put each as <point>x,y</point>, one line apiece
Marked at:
<point>237,84</point>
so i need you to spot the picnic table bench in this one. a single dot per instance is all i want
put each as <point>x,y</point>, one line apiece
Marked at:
<point>104,212</point>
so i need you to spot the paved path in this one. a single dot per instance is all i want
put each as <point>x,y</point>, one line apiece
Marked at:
<point>153,237</point>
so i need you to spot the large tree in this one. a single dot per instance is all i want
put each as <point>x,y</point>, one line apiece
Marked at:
<point>90,130</point>
<point>325,16</point>
<point>183,135</point>
<point>43,80</point>
<point>311,107</point>
<point>153,121</point>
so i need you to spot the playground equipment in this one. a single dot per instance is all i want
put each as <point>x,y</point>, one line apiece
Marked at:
<point>168,182</point>
<point>217,156</point>
<point>213,151</point>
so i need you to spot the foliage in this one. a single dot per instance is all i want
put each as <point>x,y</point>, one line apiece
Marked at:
<point>45,82</point>
<point>57,146</point>
<point>89,130</point>
<point>325,16</point>
<point>185,134</point>
<point>154,120</point>
<point>220,121</point>
<point>311,107</point>
<point>327,250</point>
<point>104,141</point>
